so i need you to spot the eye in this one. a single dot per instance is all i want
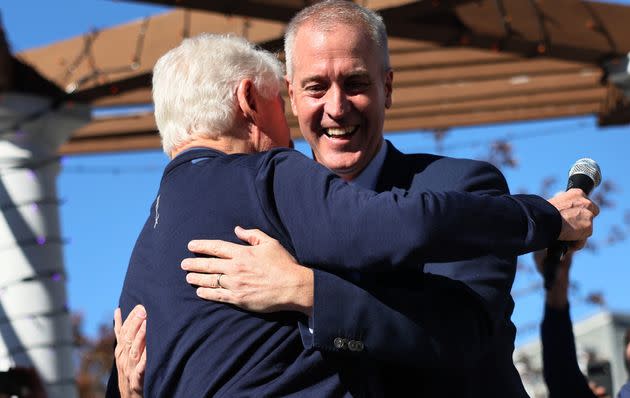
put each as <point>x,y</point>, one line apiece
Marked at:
<point>315,89</point>
<point>357,86</point>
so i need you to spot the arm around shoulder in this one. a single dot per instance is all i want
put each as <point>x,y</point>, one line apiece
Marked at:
<point>392,229</point>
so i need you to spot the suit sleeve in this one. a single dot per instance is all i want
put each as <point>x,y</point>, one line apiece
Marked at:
<point>405,325</point>
<point>625,391</point>
<point>325,217</point>
<point>432,320</point>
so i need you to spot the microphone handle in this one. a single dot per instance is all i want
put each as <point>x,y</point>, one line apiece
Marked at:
<point>558,249</point>
<point>555,252</point>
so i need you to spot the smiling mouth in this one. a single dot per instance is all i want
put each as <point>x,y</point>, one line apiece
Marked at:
<point>345,132</point>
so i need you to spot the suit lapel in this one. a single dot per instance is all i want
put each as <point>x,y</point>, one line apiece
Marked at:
<point>395,171</point>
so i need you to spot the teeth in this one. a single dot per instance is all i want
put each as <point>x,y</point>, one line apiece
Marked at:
<point>337,132</point>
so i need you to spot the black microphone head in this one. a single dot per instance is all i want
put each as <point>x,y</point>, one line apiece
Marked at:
<point>585,167</point>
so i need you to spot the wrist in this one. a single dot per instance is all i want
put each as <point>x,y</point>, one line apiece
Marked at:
<point>302,295</point>
<point>557,297</point>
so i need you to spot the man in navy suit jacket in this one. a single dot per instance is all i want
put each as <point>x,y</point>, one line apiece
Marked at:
<point>347,142</point>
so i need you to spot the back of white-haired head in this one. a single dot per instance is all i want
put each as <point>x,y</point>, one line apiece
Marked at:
<point>194,86</point>
<point>327,15</point>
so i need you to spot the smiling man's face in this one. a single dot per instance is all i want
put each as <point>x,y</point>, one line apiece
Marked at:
<point>339,92</point>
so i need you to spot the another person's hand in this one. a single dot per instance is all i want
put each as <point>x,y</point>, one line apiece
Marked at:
<point>263,277</point>
<point>599,391</point>
<point>131,353</point>
<point>558,295</point>
<point>577,212</point>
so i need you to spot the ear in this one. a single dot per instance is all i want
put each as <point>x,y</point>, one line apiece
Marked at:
<point>389,79</point>
<point>246,96</point>
<point>291,95</point>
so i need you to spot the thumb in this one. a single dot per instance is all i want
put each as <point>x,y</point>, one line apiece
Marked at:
<point>252,236</point>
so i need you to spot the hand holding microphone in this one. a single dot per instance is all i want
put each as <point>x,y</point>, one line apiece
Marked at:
<point>577,213</point>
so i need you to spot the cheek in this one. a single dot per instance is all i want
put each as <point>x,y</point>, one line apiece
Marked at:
<point>364,104</point>
<point>309,111</point>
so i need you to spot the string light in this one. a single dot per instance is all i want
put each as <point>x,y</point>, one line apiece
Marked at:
<point>100,75</point>
<point>544,43</point>
<point>506,21</point>
<point>595,24</point>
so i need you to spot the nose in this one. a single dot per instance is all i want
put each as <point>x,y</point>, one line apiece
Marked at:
<point>337,104</point>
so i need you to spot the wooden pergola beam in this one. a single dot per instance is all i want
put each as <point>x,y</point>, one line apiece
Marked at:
<point>131,140</point>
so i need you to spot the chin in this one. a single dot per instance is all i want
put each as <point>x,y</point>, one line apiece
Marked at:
<point>347,167</point>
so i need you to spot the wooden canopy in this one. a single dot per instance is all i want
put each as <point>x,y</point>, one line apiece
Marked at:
<point>456,63</point>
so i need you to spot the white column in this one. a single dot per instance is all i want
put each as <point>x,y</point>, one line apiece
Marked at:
<point>35,327</point>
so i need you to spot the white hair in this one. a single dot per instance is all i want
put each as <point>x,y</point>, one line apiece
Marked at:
<point>326,16</point>
<point>194,86</point>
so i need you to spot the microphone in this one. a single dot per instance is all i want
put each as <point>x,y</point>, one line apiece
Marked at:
<point>585,175</point>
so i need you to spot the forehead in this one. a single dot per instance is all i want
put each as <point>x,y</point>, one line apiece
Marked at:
<point>338,44</point>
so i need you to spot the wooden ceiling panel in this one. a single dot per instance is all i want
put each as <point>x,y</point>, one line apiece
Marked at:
<point>441,57</point>
<point>131,97</point>
<point>393,124</point>
<point>428,94</point>
<point>275,10</point>
<point>387,4</point>
<point>492,71</point>
<point>572,29</point>
<point>130,50</point>
<point>398,45</point>
<point>494,103</point>
<point>111,144</point>
<point>143,123</point>
<point>611,20</point>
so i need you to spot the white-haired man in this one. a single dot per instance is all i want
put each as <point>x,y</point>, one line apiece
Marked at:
<point>218,179</point>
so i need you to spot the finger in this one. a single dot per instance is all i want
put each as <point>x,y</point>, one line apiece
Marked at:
<point>577,191</point>
<point>142,363</point>
<point>205,265</point>
<point>218,294</point>
<point>252,236</point>
<point>133,323</point>
<point>125,325</point>
<point>121,344</point>
<point>117,323</point>
<point>213,247</point>
<point>138,376</point>
<point>578,245</point>
<point>206,280</point>
<point>138,344</point>
<point>595,209</point>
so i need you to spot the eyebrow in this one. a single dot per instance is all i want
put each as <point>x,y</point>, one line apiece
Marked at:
<point>309,79</point>
<point>360,72</point>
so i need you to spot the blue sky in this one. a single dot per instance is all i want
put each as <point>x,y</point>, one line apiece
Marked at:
<point>107,197</point>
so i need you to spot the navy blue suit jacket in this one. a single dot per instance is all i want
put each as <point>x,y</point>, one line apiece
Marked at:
<point>444,332</point>
<point>197,348</point>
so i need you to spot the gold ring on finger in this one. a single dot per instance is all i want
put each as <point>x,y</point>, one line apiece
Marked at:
<point>219,281</point>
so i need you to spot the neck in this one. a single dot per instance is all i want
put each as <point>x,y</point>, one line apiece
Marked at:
<point>225,144</point>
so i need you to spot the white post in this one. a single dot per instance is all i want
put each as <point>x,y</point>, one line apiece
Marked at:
<point>35,326</point>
